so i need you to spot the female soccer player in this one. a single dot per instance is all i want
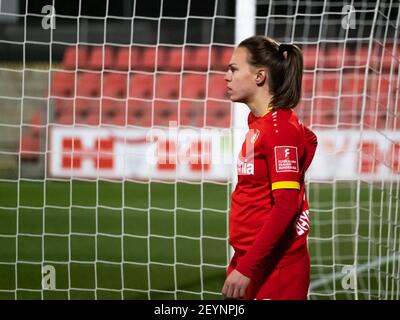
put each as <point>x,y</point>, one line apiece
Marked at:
<point>269,217</point>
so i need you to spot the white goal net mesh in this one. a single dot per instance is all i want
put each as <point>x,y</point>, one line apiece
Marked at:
<point>116,150</point>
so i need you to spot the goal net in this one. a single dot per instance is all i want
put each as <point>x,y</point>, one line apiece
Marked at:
<point>118,143</point>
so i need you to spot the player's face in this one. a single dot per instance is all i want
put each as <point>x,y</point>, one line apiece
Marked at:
<point>240,77</point>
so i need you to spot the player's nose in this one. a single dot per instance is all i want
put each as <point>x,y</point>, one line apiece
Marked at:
<point>227,76</point>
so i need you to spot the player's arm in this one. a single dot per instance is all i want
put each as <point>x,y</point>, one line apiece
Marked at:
<point>275,225</point>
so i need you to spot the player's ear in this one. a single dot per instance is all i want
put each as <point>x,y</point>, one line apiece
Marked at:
<point>261,77</point>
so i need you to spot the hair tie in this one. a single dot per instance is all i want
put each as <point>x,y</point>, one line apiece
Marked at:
<point>283,48</point>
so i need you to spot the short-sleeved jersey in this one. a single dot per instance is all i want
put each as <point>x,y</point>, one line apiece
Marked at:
<point>275,154</point>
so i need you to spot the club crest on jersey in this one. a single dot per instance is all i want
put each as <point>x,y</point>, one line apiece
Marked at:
<point>245,167</point>
<point>255,136</point>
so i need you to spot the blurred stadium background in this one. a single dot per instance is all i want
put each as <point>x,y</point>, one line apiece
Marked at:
<point>80,91</point>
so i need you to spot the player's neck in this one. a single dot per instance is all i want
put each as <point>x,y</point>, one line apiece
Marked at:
<point>259,106</point>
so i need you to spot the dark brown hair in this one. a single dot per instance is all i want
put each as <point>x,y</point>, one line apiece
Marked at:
<point>285,68</point>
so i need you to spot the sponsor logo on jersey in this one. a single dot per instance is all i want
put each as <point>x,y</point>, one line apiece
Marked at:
<point>245,167</point>
<point>303,223</point>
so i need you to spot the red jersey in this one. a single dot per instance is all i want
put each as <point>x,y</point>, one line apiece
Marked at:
<point>275,155</point>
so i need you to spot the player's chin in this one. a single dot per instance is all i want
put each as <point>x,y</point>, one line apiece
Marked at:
<point>233,97</point>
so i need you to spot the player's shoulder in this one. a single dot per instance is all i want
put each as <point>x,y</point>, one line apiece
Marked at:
<point>282,119</point>
<point>282,127</point>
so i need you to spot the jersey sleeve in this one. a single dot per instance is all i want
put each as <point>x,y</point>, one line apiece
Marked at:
<point>283,148</point>
<point>268,240</point>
